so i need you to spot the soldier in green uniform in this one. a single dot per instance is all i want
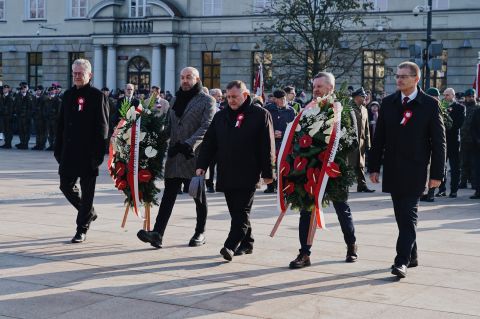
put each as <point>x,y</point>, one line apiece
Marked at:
<point>466,143</point>
<point>39,119</point>
<point>23,109</point>
<point>51,111</point>
<point>6,113</point>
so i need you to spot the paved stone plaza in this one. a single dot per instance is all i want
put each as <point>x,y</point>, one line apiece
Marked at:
<point>113,275</point>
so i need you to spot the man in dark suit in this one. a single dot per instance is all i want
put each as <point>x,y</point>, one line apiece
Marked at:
<point>82,134</point>
<point>6,113</point>
<point>475,133</point>
<point>409,136</point>
<point>457,113</point>
<point>189,118</point>
<point>129,97</point>
<point>241,139</point>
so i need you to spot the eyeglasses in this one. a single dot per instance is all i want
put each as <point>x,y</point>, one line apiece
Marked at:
<point>403,76</point>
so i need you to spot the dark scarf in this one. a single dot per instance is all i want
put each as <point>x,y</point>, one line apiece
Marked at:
<point>232,114</point>
<point>182,98</point>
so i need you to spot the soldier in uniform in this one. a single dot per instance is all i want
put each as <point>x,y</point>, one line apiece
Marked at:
<point>357,158</point>
<point>457,113</point>
<point>51,110</point>
<point>6,112</point>
<point>23,109</point>
<point>466,143</point>
<point>39,119</point>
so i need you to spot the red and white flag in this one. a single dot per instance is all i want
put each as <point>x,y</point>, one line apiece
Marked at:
<point>258,87</point>
<point>476,83</point>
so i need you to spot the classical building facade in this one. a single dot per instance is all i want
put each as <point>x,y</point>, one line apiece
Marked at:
<point>147,42</point>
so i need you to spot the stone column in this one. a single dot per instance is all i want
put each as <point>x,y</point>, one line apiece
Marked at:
<point>156,65</point>
<point>170,74</point>
<point>98,67</point>
<point>112,67</point>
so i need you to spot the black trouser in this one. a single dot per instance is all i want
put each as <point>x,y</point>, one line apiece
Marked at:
<point>467,174</point>
<point>51,131</point>
<point>453,157</point>
<point>84,203</point>
<point>239,204</point>
<point>7,129</point>
<point>40,132</point>
<point>211,175</point>
<point>24,129</point>
<point>361,180</point>
<point>406,208</point>
<point>345,219</point>
<point>172,185</point>
<point>476,153</point>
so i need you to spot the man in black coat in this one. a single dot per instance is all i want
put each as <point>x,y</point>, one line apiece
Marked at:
<point>82,134</point>
<point>240,137</point>
<point>409,136</point>
<point>475,133</point>
<point>457,113</point>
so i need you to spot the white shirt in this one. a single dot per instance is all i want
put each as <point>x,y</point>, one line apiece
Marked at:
<point>411,97</point>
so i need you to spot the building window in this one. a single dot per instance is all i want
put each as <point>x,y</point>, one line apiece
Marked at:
<point>377,5</point>
<point>1,69</point>
<point>36,9</point>
<point>440,4</point>
<point>139,73</point>
<point>139,8</point>
<point>72,56</point>
<point>212,7</point>
<point>266,59</point>
<point>438,79</point>
<point>35,69</point>
<point>373,75</point>
<point>2,9</point>
<point>260,6</point>
<point>211,69</point>
<point>79,9</point>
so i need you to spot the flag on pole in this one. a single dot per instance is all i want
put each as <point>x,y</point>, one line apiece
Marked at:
<point>476,83</point>
<point>258,88</point>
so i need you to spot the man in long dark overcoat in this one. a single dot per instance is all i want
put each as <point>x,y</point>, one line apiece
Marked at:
<point>82,134</point>
<point>410,144</point>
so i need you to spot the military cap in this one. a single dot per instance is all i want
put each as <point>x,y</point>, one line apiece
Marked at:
<point>6,86</point>
<point>433,92</point>
<point>155,87</point>
<point>39,87</point>
<point>105,89</point>
<point>470,92</point>
<point>359,92</point>
<point>50,89</point>
<point>279,94</point>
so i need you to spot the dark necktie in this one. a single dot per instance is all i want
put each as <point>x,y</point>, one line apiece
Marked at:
<point>405,101</point>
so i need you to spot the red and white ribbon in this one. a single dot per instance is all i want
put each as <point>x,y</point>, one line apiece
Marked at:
<point>407,115</point>
<point>240,118</point>
<point>133,164</point>
<point>81,103</point>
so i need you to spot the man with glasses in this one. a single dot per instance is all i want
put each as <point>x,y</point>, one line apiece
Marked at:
<point>129,97</point>
<point>409,136</point>
<point>82,134</point>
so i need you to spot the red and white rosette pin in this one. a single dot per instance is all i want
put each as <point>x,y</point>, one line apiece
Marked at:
<point>407,115</point>
<point>81,103</point>
<point>240,118</point>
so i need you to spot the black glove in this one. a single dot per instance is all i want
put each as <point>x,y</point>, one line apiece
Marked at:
<point>185,149</point>
<point>173,150</point>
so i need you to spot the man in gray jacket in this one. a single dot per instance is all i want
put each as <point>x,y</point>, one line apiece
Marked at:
<point>189,118</point>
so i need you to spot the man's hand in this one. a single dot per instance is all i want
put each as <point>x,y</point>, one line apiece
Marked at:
<point>267,180</point>
<point>200,172</point>
<point>434,183</point>
<point>375,178</point>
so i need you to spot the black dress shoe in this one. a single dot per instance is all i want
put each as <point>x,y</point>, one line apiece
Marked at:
<point>226,253</point>
<point>475,196</point>
<point>22,147</point>
<point>441,194</point>
<point>302,260</point>
<point>151,237</point>
<point>400,271</point>
<point>351,253</point>
<point>413,263</point>
<point>35,148</point>
<point>198,239</point>
<point>453,195</point>
<point>5,146</point>
<point>365,190</point>
<point>462,186</point>
<point>50,148</point>
<point>79,237</point>
<point>210,189</point>
<point>243,251</point>
<point>427,198</point>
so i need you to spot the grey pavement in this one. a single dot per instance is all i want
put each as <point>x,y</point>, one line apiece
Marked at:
<point>114,275</point>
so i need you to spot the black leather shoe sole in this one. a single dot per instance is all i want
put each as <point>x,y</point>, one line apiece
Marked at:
<point>351,259</point>
<point>196,243</point>
<point>77,239</point>
<point>398,272</point>
<point>240,252</point>
<point>143,236</point>
<point>298,265</point>
<point>226,254</point>
<point>453,195</point>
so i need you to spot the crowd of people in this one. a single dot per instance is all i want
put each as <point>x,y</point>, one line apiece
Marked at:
<point>234,134</point>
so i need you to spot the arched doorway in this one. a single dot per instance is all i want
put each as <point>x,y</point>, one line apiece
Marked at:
<point>139,73</point>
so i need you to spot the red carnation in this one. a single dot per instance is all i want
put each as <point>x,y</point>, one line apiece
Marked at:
<point>289,188</point>
<point>299,163</point>
<point>305,141</point>
<point>310,187</point>
<point>285,169</point>
<point>119,169</point>
<point>144,176</point>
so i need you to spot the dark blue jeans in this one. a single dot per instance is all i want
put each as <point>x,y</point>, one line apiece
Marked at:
<point>344,217</point>
<point>406,208</point>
